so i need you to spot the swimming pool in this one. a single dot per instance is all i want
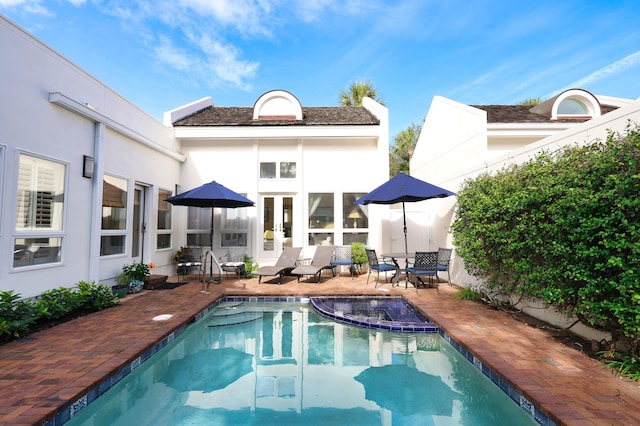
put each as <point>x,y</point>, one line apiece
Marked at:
<point>283,363</point>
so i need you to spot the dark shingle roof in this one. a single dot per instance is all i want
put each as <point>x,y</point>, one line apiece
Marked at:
<point>523,114</point>
<point>311,116</point>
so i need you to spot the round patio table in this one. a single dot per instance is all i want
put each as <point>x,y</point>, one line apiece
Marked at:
<point>395,256</point>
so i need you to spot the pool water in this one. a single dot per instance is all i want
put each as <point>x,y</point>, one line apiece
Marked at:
<point>281,363</point>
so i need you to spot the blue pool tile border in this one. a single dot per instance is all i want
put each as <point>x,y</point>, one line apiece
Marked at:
<point>397,326</point>
<point>517,397</point>
<point>76,406</point>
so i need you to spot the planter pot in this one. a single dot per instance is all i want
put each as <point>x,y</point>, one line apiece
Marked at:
<point>360,269</point>
<point>119,291</point>
<point>135,286</point>
<point>155,281</point>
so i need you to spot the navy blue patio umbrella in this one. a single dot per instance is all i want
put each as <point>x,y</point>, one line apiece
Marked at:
<point>403,188</point>
<point>211,195</point>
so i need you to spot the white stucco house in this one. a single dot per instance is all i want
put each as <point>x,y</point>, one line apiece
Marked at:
<point>303,167</point>
<point>459,142</point>
<point>84,174</point>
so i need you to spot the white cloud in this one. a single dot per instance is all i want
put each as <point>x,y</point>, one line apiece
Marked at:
<point>10,3</point>
<point>30,6</point>
<point>614,68</point>
<point>208,60</point>
<point>604,72</point>
<point>246,16</point>
<point>223,62</point>
<point>176,58</point>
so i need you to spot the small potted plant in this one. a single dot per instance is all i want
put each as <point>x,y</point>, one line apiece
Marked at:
<point>360,261</point>
<point>183,255</point>
<point>122,285</point>
<point>135,273</point>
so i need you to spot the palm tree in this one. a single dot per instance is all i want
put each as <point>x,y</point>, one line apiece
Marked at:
<point>531,101</point>
<point>401,151</point>
<point>358,90</point>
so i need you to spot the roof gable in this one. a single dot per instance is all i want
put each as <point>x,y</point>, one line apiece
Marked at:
<point>549,111</point>
<point>311,116</point>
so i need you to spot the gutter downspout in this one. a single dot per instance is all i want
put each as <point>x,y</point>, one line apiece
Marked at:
<point>95,232</point>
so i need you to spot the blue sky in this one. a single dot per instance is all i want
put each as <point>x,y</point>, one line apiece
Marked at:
<point>161,54</point>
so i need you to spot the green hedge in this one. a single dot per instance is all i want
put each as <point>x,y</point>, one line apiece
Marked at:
<point>563,227</point>
<point>21,317</point>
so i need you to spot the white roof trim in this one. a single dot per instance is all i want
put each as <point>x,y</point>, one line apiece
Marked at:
<point>170,117</point>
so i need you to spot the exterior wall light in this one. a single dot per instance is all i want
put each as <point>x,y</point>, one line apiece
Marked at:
<point>88,164</point>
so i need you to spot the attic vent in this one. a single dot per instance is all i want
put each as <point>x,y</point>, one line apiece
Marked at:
<point>277,105</point>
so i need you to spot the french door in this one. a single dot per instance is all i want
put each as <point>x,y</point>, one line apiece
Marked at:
<point>139,224</point>
<point>277,225</point>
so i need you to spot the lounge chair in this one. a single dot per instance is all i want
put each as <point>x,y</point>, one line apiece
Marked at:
<point>286,262</point>
<point>321,260</point>
<point>425,265</point>
<point>376,265</point>
<point>342,257</point>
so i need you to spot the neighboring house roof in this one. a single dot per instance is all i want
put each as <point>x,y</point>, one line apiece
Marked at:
<point>311,116</point>
<point>523,114</point>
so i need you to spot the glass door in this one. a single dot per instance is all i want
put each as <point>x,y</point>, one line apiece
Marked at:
<point>277,224</point>
<point>139,225</point>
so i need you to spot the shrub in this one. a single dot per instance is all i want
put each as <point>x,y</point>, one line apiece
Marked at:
<point>96,297</point>
<point>249,266</point>
<point>564,228</point>
<point>359,253</point>
<point>60,301</point>
<point>21,317</point>
<point>16,316</point>
<point>628,368</point>
<point>137,271</point>
<point>467,294</point>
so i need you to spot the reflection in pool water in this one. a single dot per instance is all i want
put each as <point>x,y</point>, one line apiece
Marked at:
<point>282,363</point>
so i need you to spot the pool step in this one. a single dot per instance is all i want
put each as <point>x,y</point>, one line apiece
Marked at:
<point>231,313</point>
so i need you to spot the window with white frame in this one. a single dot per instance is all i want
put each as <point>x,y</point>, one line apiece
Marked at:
<point>321,218</point>
<point>114,215</point>
<point>279,170</point>
<point>234,227</point>
<point>39,211</point>
<point>199,227</point>
<point>355,219</point>
<point>164,220</point>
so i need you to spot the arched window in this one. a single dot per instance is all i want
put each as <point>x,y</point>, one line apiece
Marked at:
<point>277,105</point>
<point>572,106</point>
<point>575,103</point>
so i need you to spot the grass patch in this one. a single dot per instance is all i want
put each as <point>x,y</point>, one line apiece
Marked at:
<point>467,294</point>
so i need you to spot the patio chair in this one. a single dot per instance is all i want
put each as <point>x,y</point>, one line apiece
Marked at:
<point>185,265</point>
<point>321,261</point>
<point>231,266</point>
<point>285,263</point>
<point>425,265</point>
<point>343,257</point>
<point>376,265</point>
<point>444,258</point>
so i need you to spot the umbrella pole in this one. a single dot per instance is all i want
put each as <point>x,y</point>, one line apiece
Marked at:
<point>213,257</point>
<point>208,265</point>
<point>406,250</point>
